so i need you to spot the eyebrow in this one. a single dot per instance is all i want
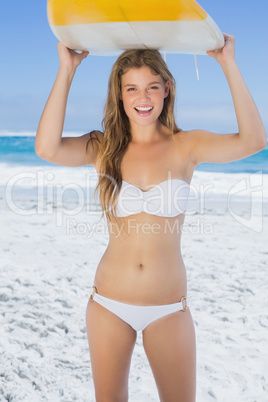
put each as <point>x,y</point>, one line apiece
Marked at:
<point>150,83</point>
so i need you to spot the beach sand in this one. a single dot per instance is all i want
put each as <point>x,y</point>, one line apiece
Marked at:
<point>47,269</point>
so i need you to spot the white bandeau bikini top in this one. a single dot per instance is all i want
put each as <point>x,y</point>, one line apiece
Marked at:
<point>168,199</point>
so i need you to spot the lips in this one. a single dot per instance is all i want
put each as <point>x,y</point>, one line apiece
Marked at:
<point>144,110</point>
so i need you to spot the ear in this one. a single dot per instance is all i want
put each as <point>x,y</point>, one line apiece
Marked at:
<point>167,88</point>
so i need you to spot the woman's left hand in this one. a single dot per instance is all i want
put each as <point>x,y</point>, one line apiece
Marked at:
<point>227,52</point>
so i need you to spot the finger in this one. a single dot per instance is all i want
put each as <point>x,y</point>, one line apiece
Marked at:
<point>228,38</point>
<point>83,55</point>
<point>213,53</point>
<point>226,35</point>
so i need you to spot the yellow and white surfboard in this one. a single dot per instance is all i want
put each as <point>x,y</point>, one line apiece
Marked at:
<point>107,27</point>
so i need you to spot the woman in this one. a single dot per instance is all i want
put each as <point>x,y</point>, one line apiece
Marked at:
<point>145,165</point>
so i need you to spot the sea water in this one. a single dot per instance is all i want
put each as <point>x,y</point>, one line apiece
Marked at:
<point>18,149</point>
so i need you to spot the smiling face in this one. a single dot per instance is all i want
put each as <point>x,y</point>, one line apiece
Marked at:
<point>143,95</point>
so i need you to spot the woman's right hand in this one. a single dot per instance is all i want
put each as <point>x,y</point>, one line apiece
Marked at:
<point>70,58</point>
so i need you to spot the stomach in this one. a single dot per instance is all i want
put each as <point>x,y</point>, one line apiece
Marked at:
<point>142,263</point>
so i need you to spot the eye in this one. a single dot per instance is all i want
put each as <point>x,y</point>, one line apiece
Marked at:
<point>130,89</point>
<point>154,87</point>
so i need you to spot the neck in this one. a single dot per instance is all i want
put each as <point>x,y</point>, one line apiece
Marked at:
<point>146,134</point>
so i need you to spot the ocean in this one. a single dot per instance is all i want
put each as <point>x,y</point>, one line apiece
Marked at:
<point>18,149</point>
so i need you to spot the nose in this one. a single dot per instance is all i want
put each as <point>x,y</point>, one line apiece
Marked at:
<point>144,95</point>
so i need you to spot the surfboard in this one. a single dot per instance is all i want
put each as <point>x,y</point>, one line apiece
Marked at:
<point>108,27</point>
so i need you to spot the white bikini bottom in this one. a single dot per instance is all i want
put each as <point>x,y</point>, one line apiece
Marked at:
<point>138,317</point>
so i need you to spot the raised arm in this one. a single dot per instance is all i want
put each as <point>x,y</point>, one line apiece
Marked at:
<point>251,138</point>
<point>49,143</point>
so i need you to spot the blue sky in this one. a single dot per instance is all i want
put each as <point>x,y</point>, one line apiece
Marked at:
<point>29,64</point>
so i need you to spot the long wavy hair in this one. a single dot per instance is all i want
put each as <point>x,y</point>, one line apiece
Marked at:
<point>115,124</point>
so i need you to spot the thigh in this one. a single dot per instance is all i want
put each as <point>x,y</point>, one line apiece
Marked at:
<point>169,344</point>
<point>111,343</point>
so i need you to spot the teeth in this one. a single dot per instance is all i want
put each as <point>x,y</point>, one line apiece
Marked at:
<point>143,109</point>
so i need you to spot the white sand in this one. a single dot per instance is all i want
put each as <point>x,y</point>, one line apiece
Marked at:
<point>46,272</point>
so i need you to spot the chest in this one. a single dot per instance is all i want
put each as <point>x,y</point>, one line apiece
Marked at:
<point>145,165</point>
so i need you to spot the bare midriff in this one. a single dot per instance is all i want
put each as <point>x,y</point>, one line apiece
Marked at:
<point>142,264</point>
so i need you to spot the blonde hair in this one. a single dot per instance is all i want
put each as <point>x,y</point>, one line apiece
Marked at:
<point>116,125</point>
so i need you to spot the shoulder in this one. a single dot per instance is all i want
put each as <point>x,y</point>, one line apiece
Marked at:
<point>188,138</point>
<point>94,140</point>
<point>189,135</point>
<point>95,135</point>
<point>191,138</point>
